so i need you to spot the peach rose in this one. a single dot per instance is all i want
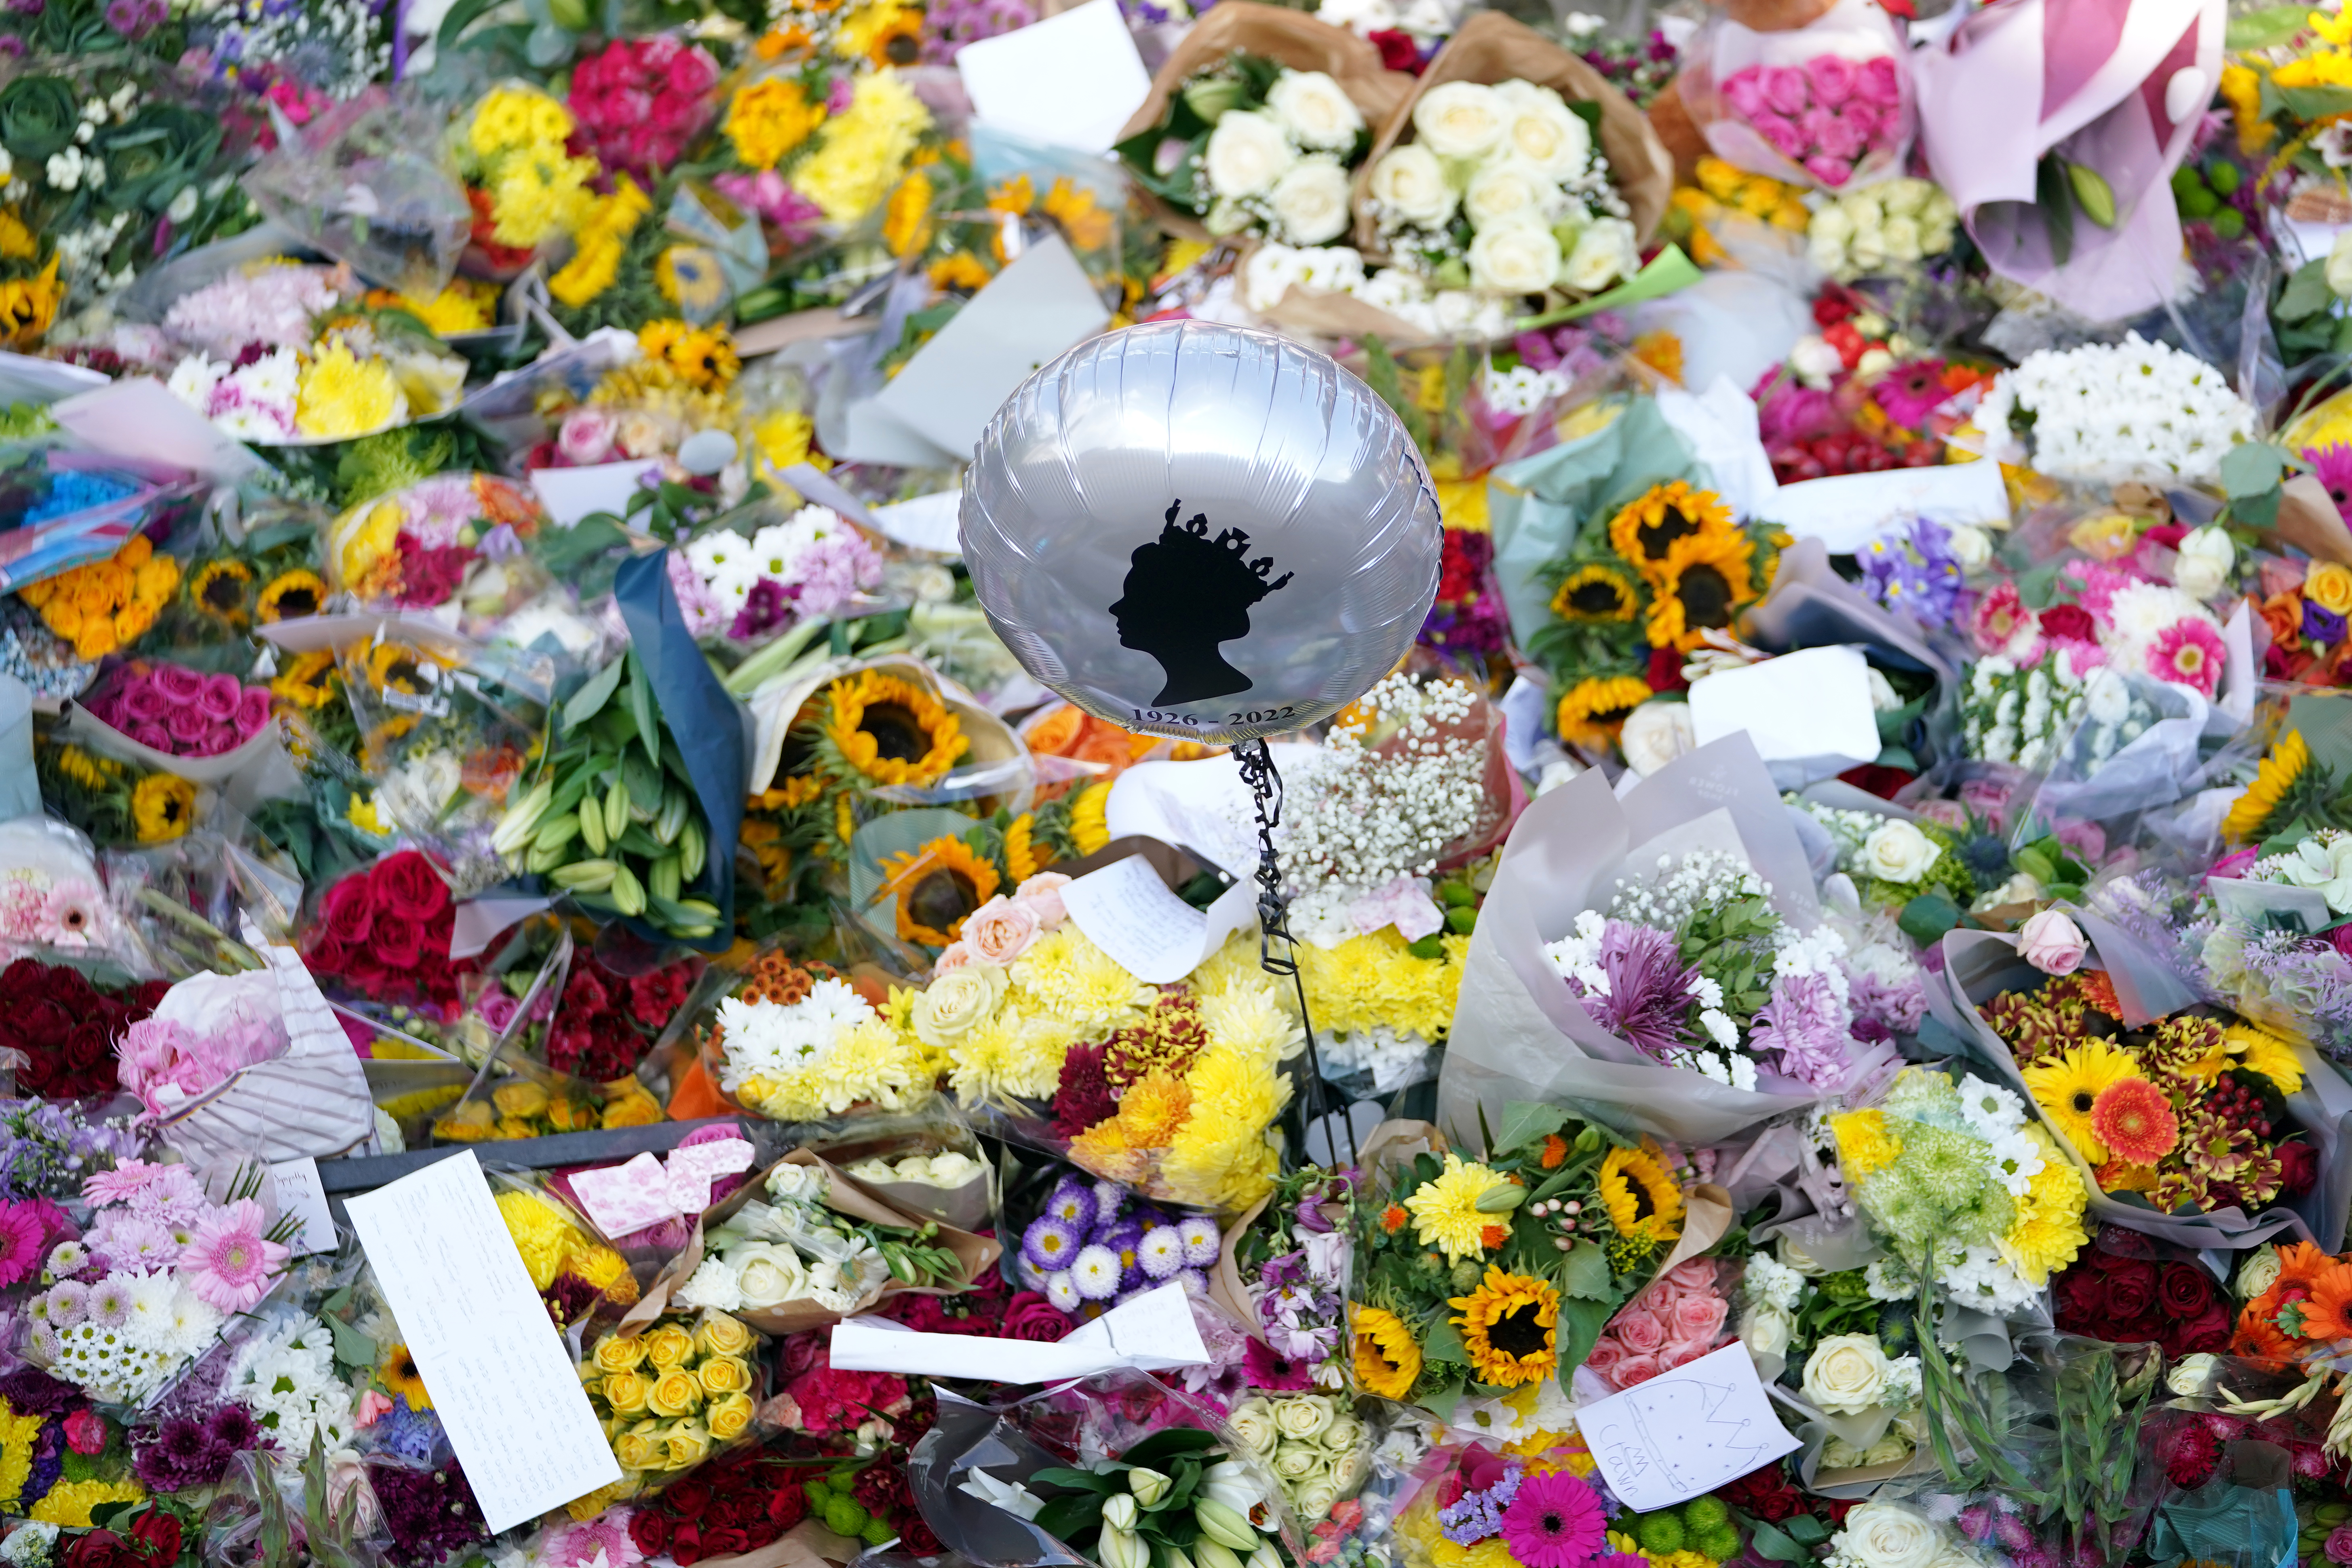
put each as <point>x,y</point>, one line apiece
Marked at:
<point>1606,1354</point>
<point>957,955</point>
<point>1681,1354</point>
<point>1043,893</point>
<point>1693,1274</point>
<point>1001,929</point>
<point>1640,1331</point>
<point>1698,1317</point>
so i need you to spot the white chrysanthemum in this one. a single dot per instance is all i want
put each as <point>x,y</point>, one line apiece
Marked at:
<point>716,1286</point>
<point>769,1039</point>
<point>1990,1109</point>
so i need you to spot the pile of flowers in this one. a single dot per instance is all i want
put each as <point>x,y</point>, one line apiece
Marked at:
<point>453,536</point>
<point>180,713</point>
<point>64,1027</point>
<point>1255,148</point>
<point>2105,414</point>
<point>2123,1289</point>
<point>384,932</point>
<point>1095,1244</point>
<point>1296,1269</point>
<point>797,1248</point>
<point>524,186</point>
<point>1503,189</point>
<point>107,604</point>
<point>1858,395</point>
<point>809,566</point>
<point>798,1042</point>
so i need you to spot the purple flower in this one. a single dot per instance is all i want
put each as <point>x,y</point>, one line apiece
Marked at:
<point>1807,1023</point>
<point>1073,1203</point>
<point>1276,1373</point>
<point>2320,623</point>
<point>1050,1244</point>
<point>767,606</point>
<point>1649,996</point>
<point>1309,1213</point>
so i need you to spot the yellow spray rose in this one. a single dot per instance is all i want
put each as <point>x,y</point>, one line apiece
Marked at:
<point>724,1375</point>
<point>674,1393</point>
<point>618,1355</point>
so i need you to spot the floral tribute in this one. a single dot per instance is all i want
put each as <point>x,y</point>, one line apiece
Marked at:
<point>1296,1268</point>
<point>1829,115</point>
<point>1529,1511</point>
<point>672,1393</point>
<point>809,566</point>
<point>2123,1287</point>
<point>385,932</point>
<point>1095,1244</point>
<point>796,1042</point>
<point>423,546</point>
<point>180,713</point>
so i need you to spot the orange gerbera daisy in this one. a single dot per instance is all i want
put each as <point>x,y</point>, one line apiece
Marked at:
<point>2300,1263</point>
<point>2327,1316</point>
<point>2258,1336</point>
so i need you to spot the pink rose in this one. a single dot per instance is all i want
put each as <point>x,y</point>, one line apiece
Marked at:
<point>1001,929</point>
<point>958,954</point>
<point>586,435</point>
<point>1781,132</point>
<point>1662,1297</point>
<point>1880,81</point>
<point>1840,137</point>
<point>1829,171</point>
<point>1606,1354</point>
<point>1635,1369</point>
<point>2338,1545</point>
<point>1681,1354</point>
<point>1784,89</point>
<point>1043,892</point>
<point>2052,943</point>
<point>1830,78</point>
<point>1699,1317</point>
<point>1814,125</point>
<point>1697,1273</point>
<point>1744,91</point>
<point>1640,1331</point>
<point>373,1407</point>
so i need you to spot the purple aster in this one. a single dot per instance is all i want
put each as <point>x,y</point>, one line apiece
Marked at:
<point>1807,1023</point>
<point>1050,1244</point>
<point>1201,1243</point>
<point>1073,1203</point>
<point>1649,997</point>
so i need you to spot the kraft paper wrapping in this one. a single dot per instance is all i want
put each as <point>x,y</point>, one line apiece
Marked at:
<point>1491,48</point>
<point>1519,1033</point>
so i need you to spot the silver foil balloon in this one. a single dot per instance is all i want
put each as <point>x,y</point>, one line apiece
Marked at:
<point>1194,530</point>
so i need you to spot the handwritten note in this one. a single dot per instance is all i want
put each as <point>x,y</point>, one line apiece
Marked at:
<point>500,1378</point>
<point>1151,1333</point>
<point>301,1193</point>
<point>1686,1432</point>
<point>1128,912</point>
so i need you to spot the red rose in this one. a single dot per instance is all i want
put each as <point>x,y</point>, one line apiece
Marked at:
<point>399,943</point>
<point>1398,51</point>
<point>688,1497</point>
<point>102,1549</point>
<point>159,1534</point>
<point>726,1542</point>
<point>650,1531</point>
<point>2131,1289</point>
<point>87,1046</point>
<point>407,886</point>
<point>38,1074</point>
<point>2070,621</point>
<point>2298,1167</point>
<point>1665,672</point>
<point>2185,1291</point>
<point>1031,1317</point>
<point>2208,1330</point>
<point>916,1536</point>
<point>686,1544</point>
<point>328,956</point>
<point>44,1025</point>
<point>348,910</point>
<point>787,1506</point>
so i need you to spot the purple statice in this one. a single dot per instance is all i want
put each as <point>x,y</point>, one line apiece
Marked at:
<point>431,1514</point>
<point>1474,1516</point>
<point>950,25</point>
<point>405,1433</point>
<point>1647,991</point>
<point>1806,1025</point>
<point>1914,570</point>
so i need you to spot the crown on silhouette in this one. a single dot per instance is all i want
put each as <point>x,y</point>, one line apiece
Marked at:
<point>1224,560</point>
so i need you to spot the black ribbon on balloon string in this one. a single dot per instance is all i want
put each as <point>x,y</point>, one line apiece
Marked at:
<point>1256,763</point>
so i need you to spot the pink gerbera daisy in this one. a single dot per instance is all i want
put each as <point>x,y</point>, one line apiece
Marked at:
<point>2187,653</point>
<point>69,916</point>
<point>20,1243</point>
<point>117,1185</point>
<point>1276,1373</point>
<point>1554,1521</point>
<point>230,1262</point>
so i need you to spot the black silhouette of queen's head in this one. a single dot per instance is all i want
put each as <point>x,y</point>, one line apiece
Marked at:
<point>1185,594</point>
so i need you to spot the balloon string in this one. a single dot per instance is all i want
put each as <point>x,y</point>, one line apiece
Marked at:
<point>1274,917</point>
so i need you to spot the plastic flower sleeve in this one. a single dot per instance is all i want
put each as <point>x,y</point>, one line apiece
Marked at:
<point>455,537</point>
<point>367,183</point>
<point>1827,104</point>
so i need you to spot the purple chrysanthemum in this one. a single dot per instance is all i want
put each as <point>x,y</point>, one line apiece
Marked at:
<point>1050,1244</point>
<point>1649,996</point>
<point>1809,1026</point>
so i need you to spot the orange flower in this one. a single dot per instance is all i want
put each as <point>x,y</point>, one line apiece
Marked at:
<point>2300,1263</point>
<point>2327,1316</point>
<point>2258,1337</point>
<point>1493,1237</point>
<point>2283,613</point>
<point>2098,992</point>
<point>1392,1218</point>
<point>1555,1150</point>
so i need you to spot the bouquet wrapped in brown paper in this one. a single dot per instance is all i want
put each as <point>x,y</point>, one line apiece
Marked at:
<point>1254,124</point>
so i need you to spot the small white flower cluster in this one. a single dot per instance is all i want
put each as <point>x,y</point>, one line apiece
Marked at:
<point>1522,389</point>
<point>2105,413</point>
<point>32,1545</point>
<point>1704,879</point>
<point>1997,1117</point>
<point>81,251</point>
<point>1383,796</point>
<point>1274,268</point>
<point>1896,221</point>
<point>143,1326</point>
<point>1425,19</point>
<point>771,1039</point>
<point>1769,1282</point>
<point>1577,957</point>
<point>287,1378</point>
<point>1519,167</point>
<point>1277,171</point>
<point>342,45</point>
<point>2008,715</point>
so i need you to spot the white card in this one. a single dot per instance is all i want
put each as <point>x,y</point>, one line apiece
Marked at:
<point>300,1193</point>
<point>1847,512</point>
<point>1685,1432</point>
<point>1071,80</point>
<point>1152,1333</point>
<point>1811,706</point>
<point>500,1378</point>
<point>1128,912</point>
<point>571,494</point>
<point>1041,304</point>
<point>927,522</point>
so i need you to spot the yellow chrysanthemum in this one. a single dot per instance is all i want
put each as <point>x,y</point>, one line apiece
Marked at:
<point>1373,982</point>
<point>769,119</point>
<point>341,397</point>
<point>1224,1157</point>
<point>1509,1329</point>
<point>891,731</point>
<point>2276,774</point>
<point>18,1434</point>
<point>1259,1022</point>
<point>1012,1054</point>
<point>862,152</point>
<point>161,807</point>
<point>540,1233</point>
<point>2258,1050</point>
<point>1865,1143</point>
<point>601,244</point>
<point>86,769</point>
<point>1066,976</point>
<point>1594,710</point>
<point>781,436</point>
<point>70,1503</point>
<point>906,222</point>
<point>1445,1212</point>
<point>1104,1150</point>
<point>362,814</point>
<point>1154,1110</point>
<point>1644,1202</point>
<point>2067,1085</point>
<point>2242,89</point>
<point>2048,1231</point>
<point>872,1063</point>
<point>1387,1356</point>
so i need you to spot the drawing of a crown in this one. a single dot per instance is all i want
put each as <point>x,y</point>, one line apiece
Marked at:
<point>1226,555</point>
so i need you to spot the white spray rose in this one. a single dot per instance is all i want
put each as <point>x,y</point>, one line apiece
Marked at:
<point>1247,153</point>
<point>2206,555</point>
<point>1541,129</point>
<point>1410,184</point>
<point>1604,253</point>
<point>1459,120</point>
<point>1304,1416</point>
<point>1656,733</point>
<point>1508,191</point>
<point>1311,201</point>
<point>1514,258</point>
<point>1252,1423</point>
<point>1315,110</point>
<point>1846,1374</point>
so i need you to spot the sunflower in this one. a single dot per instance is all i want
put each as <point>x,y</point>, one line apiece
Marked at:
<point>308,681</point>
<point>400,1377</point>
<point>1597,707</point>
<point>1707,584</point>
<point>1445,1212</point>
<point>85,768</point>
<point>1388,1358</point>
<point>1510,1327</point>
<point>301,591</point>
<point>394,666</point>
<point>1646,532</point>
<point>890,731</point>
<point>222,591</point>
<point>1642,1200</point>
<point>161,807</point>
<point>1024,857</point>
<point>1597,594</point>
<point>2067,1087</point>
<point>2275,779</point>
<point>886,33</point>
<point>1089,830</point>
<point>936,887</point>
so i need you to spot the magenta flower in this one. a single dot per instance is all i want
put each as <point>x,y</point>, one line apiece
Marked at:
<point>138,700</point>
<point>1780,130</point>
<point>20,1243</point>
<point>1784,89</point>
<point>1829,171</point>
<point>230,1263</point>
<point>1745,89</point>
<point>219,698</point>
<point>1880,81</point>
<point>2187,653</point>
<point>1841,136</point>
<point>1649,997</point>
<point>1831,79</point>
<point>1554,1521</point>
<point>180,685</point>
<point>1271,1370</point>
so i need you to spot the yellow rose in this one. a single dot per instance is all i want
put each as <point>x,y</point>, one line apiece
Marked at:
<point>723,1374</point>
<point>674,1393</point>
<point>625,1392</point>
<point>618,1355</point>
<point>685,1444</point>
<point>2329,586</point>
<point>639,1448</point>
<point>2106,537</point>
<point>668,1346</point>
<point>723,1335</point>
<point>731,1417</point>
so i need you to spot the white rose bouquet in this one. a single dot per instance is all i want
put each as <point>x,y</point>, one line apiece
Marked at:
<point>1504,189</point>
<point>1319,1451</point>
<point>1252,147</point>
